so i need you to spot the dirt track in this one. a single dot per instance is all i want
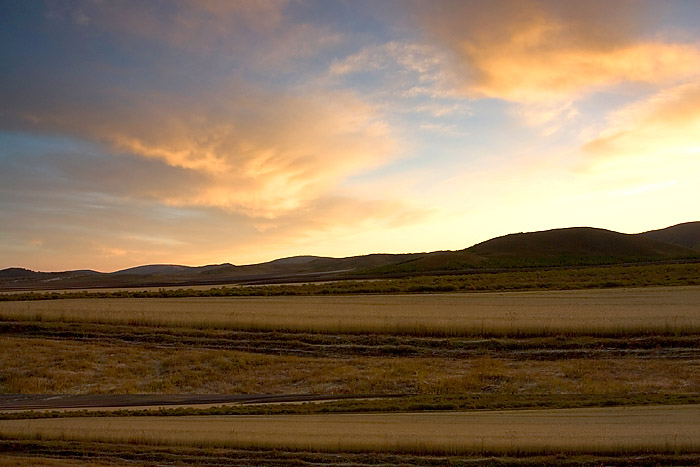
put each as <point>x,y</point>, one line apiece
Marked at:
<point>41,402</point>
<point>346,345</point>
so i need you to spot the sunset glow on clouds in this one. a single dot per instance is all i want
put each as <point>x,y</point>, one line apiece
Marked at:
<point>199,132</point>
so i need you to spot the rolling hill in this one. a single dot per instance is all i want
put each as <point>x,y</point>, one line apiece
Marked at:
<point>573,246</point>
<point>568,247</point>
<point>576,246</point>
<point>686,235</point>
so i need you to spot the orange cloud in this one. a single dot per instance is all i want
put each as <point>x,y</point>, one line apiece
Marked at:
<point>261,152</point>
<point>258,153</point>
<point>248,150</point>
<point>551,51</point>
<point>666,125</point>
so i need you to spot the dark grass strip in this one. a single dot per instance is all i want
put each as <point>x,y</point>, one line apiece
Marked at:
<point>140,455</point>
<point>391,403</point>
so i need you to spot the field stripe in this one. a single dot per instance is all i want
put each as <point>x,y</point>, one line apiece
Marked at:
<point>671,310</point>
<point>619,429</point>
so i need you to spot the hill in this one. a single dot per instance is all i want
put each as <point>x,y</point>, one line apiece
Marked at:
<point>18,273</point>
<point>576,246</point>
<point>686,235</point>
<point>154,269</point>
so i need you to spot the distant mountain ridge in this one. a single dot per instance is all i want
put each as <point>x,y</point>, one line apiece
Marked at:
<point>568,247</point>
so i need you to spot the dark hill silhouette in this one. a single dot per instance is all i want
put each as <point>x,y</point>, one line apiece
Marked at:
<point>155,269</point>
<point>686,234</point>
<point>576,246</point>
<point>18,273</point>
<point>296,260</point>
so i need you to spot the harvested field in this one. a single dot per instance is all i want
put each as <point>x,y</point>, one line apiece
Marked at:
<point>366,344</point>
<point>526,350</point>
<point>604,430</point>
<point>31,366</point>
<point>79,453</point>
<point>670,311</point>
<point>131,402</point>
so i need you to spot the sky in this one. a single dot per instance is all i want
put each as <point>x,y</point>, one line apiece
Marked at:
<point>207,131</point>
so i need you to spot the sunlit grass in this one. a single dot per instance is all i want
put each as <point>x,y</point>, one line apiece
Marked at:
<point>31,365</point>
<point>670,311</point>
<point>610,430</point>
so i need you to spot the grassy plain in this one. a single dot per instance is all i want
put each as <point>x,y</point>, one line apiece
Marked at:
<point>31,365</point>
<point>592,430</point>
<point>662,310</point>
<point>450,351</point>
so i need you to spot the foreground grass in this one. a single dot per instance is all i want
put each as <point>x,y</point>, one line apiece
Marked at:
<point>617,430</point>
<point>21,453</point>
<point>32,366</point>
<point>613,312</point>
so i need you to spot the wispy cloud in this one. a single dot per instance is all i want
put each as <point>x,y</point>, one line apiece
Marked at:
<point>257,148</point>
<point>666,125</point>
<point>548,50</point>
<point>546,54</point>
<point>253,152</point>
<point>78,219</point>
<point>419,58</point>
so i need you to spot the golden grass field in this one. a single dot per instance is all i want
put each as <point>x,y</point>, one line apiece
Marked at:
<point>554,344</point>
<point>596,430</point>
<point>610,311</point>
<point>32,366</point>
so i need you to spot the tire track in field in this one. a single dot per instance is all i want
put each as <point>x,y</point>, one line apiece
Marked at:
<point>349,345</point>
<point>101,402</point>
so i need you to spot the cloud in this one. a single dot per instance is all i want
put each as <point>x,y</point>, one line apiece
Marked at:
<point>155,132</point>
<point>201,103</point>
<point>77,210</point>
<point>539,51</point>
<point>406,69</point>
<point>259,34</point>
<point>551,116</point>
<point>408,82</point>
<point>664,126</point>
<point>419,58</point>
<point>251,151</point>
